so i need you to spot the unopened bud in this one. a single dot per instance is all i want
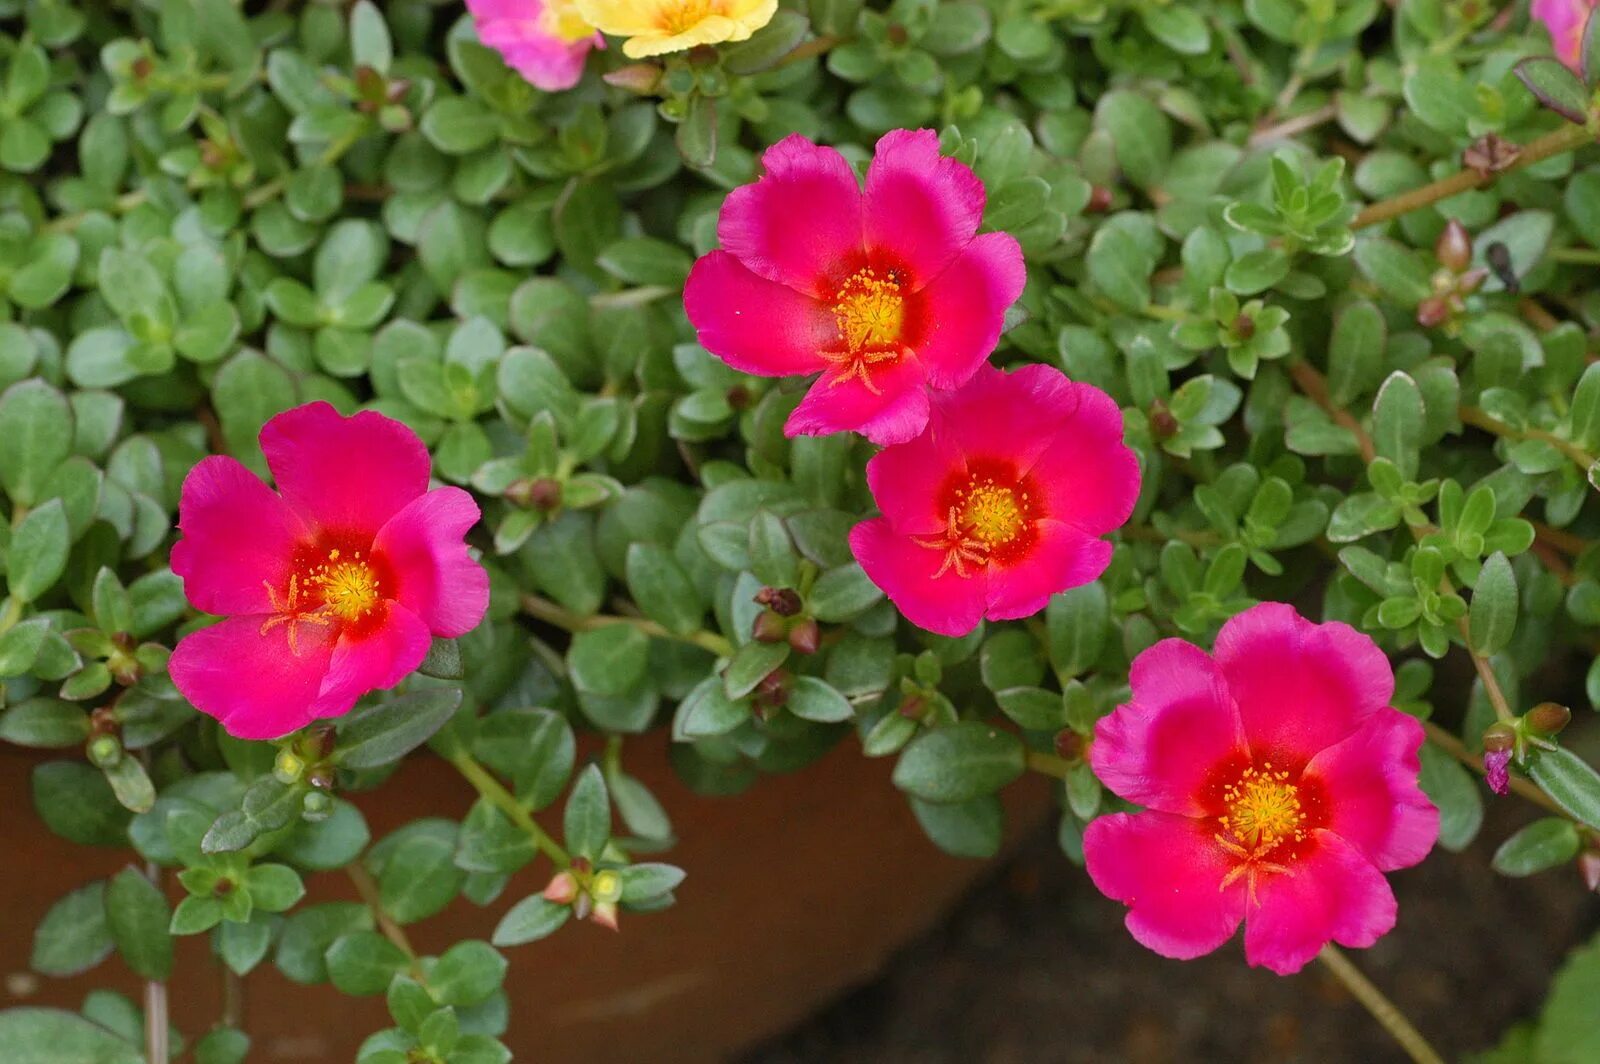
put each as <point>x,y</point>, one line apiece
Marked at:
<point>321,778</point>
<point>1548,718</point>
<point>1163,425</point>
<point>1244,327</point>
<point>784,601</point>
<point>738,397</point>
<point>639,78</point>
<point>605,914</point>
<point>141,68</point>
<point>316,806</point>
<point>394,118</point>
<point>288,767</point>
<point>1453,249</point>
<point>913,708</point>
<point>1497,771</point>
<point>1471,281</point>
<point>1498,737</point>
<point>896,34</point>
<point>1432,312</point>
<point>222,887</point>
<point>1069,744</point>
<point>805,637</point>
<point>105,751</point>
<point>702,55</point>
<point>606,886</point>
<point>1589,869</point>
<point>563,889</point>
<point>768,628</point>
<point>773,690</point>
<point>1099,200</point>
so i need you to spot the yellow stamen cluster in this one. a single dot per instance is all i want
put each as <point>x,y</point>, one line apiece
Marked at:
<point>1264,812</point>
<point>869,312</point>
<point>992,513</point>
<point>335,591</point>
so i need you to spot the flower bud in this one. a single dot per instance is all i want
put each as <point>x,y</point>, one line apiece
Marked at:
<point>1163,426</point>
<point>1471,281</point>
<point>1244,327</point>
<point>896,34</point>
<point>1496,771</point>
<point>738,397</point>
<point>605,914</point>
<point>105,751</point>
<point>805,637</point>
<point>1433,312</point>
<point>316,806</point>
<point>913,707</point>
<point>1498,737</point>
<point>773,690</point>
<point>1453,249</point>
<point>321,778</point>
<point>1069,744</point>
<point>783,601</point>
<point>702,55</point>
<point>638,78</point>
<point>1589,869</point>
<point>289,767</point>
<point>1099,200</point>
<point>562,889</point>
<point>768,628</point>
<point>605,886</point>
<point>1548,718</point>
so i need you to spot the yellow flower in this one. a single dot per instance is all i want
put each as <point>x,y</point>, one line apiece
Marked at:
<point>655,27</point>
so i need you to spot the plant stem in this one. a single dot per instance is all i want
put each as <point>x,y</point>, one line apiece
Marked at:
<point>1576,256</point>
<point>1481,419</point>
<point>491,790</point>
<point>1565,139</point>
<point>232,998</point>
<point>1450,744</point>
<point>1291,126</point>
<point>368,889</point>
<point>810,49</point>
<point>561,617</point>
<point>1315,387</point>
<point>1383,1010</point>
<point>1048,764</point>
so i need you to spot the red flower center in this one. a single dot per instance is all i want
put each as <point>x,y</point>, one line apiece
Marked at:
<point>869,310</point>
<point>989,517</point>
<point>1267,816</point>
<point>336,587</point>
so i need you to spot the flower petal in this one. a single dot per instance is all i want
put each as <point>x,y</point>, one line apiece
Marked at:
<point>1060,557</point>
<point>893,410</point>
<point>1330,675</point>
<point>1087,475</point>
<point>435,576</point>
<point>1013,416</point>
<point>753,324</point>
<point>1332,893</point>
<point>800,223</point>
<point>1373,801</point>
<point>375,660</point>
<point>245,673</point>
<point>344,474</point>
<point>1159,748</point>
<point>948,604</point>
<point>921,207</point>
<point>1168,870</point>
<point>905,480</point>
<point>964,309</point>
<point>238,537</point>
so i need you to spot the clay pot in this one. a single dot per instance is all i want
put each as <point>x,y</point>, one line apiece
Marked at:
<point>797,889</point>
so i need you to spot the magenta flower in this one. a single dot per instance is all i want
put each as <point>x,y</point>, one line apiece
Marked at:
<point>333,588</point>
<point>1278,787</point>
<point>887,292</point>
<point>546,41</point>
<point>999,503</point>
<point>1565,19</point>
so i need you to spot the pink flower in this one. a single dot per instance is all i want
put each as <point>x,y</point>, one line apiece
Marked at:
<point>546,41</point>
<point>1278,787</point>
<point>333,588</point>
<point>999,503</point>
<point>887,292</point>
<point>1565,19</point>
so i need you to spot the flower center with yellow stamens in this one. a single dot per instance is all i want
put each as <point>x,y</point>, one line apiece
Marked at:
<point>680,16</point>
<point>870,311</point>
<point>1263,809</point>
<point>348,586</point>
<point>991,514</point>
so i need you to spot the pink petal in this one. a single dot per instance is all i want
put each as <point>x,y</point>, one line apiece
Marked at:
<point>1087,475</point>
<point>1372,797</point>
<point>1061,557</point>
<point>905,481</point>
<point>1013,416</point>
<point>948,604</point>
<point>344,474</point>
<point>251,680</point>
<point>435,576</point>
<point>550,64</point>
<point>1159,749</point>
<point>238,537</point>
<point>373,660</point>
<point>1168,870</point>
<point>1332,893</point>
<point>1300,687</point>
<point>893,413</point>
<point>921,208</point>
<point>800,224</point>
<point>755,325</point>
<point>964,308</point>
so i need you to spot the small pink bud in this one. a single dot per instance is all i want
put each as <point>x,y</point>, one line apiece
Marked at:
<point>805,637</point>
<point>1069,744</point>
<point>1496,771</point>
<point>562,889</point>
<point>784,601</point>
<point>605,914</point>
<point>1453,249</point>
<point>1163,426</point>
<point>1548,718</point>
<point>640,78</point>
<point>1589,869</point>
<point>768,628</point>
<point>1432,312</point>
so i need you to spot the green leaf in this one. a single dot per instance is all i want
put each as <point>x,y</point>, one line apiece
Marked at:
<point>1077,622</point>
<point>43,723</point>
<point>645,260</point>
<point>35,438</point>
<point>1396,270</point>
<point>959,762</point>
<point>369,37</point>
<point>274,887</point>
<point>649,881</point>
<point>74,935</point>
<point>662,589</point>
<point>609,661</point>
<point>1140,133</point>
<point>53,1036</point>
<point>1569,780</point>
<point>138,916</point>
<point>586,823</point>
<point>842,593</point>
<point>1454,792</point>
<point>1493,615</point>
<point>76,803</point>
<point>751,664</point>
<point>224,1045</point>
<point>529,920</point>
<point>466,973</point>
<point>1543,844</point>
<point>1397,422</point>
<point>1567,1031</point>
<point>1555,86</point>
<point>384,733</point>
<point>363,962</point>
<point>813,699</point>
<point>973,828</point>
<point>1356,351</point>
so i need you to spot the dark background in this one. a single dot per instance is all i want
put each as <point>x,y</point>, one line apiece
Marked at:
<point>1036,966</point>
